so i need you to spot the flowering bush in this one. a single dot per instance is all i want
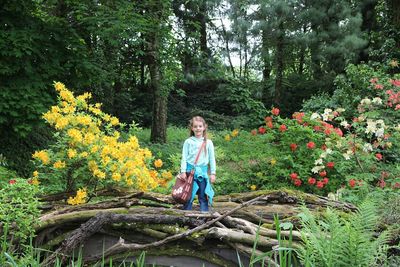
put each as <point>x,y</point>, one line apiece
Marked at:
<point>323,151</point>
<point>88,153</point>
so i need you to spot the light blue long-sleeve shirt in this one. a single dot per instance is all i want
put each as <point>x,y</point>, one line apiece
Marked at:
<point>190,149</point>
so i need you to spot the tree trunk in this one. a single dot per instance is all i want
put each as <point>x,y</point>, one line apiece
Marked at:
<point>159,117</point>
<point>279,65</point>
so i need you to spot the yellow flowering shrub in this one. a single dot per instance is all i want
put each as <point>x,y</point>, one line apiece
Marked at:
<point>89,152</point>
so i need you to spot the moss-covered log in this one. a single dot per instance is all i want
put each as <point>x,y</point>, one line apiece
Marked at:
<point>145,221</point>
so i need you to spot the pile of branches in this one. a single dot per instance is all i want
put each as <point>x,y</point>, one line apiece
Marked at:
<point>153,222</point>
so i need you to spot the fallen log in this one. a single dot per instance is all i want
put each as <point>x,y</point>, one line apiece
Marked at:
<point>236,221</point>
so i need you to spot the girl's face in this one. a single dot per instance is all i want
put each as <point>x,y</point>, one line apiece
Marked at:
<point>198,128</point>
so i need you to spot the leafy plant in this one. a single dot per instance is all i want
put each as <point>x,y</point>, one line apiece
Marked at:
<point>335,240</point>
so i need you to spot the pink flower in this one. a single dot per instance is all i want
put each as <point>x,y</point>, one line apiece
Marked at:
<point>378,156</point>
<point>311,145</point>
<point>12,181</point>
<point>293,147</point>
<point>395,82</point>
<point>320,184</point>
<point>330,165</point>
<point>293,176</point>
<point>261,130</point>
<point>270,125</point>
<point>275,111</point>
<point>373,80</point>
<point>297,182</point>
<point>378,86</point>
<point>254,132</point>
<point>312,180</point>
<point>381,183</point>
<point>325,180</point>
<point>282,128</point>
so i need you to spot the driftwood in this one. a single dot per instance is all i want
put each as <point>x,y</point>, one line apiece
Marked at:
<point>236,222</point>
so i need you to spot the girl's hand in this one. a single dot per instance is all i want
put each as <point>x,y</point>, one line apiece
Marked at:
<point>212,178</point>
<point>183,175</point>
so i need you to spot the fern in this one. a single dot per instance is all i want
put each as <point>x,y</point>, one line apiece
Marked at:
<point>333,240</point>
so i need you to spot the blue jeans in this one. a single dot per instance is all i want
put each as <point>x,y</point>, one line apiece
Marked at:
<point>201,194</point>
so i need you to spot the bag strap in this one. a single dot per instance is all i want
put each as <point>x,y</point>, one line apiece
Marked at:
<point>198,153</point>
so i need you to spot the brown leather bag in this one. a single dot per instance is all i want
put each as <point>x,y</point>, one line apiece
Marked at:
<point>182,190</point>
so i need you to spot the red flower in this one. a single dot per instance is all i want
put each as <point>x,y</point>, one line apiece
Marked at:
<point>268,119</point>
<point>378,156</point>
<point>254,132</point>
<point>293,147</point>
<point>270,125</point>
<point>378,86</point>
<point>352,183</point>
<point>320,184</point>
<point>282,128</point>
<point>310,145</point>
<point>297,182</point>
<point>322,174</point>
<point>312,180</point>
<point>339,132</point>
<point>261,130</point>
<point>327,131</point>
<point>275,111</point>
<point>330,165</point>
<point>325,180</point>
<point>293,176</point>
<point>317,128</point>
<point>396,185</point>
<point>12,181</point>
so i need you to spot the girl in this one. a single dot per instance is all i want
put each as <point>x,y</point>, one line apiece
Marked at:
<point>201,184</point>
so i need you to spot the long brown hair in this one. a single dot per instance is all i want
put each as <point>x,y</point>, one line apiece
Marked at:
<point>191,133</point>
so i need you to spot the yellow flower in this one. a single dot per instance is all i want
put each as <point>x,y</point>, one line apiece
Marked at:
<point>84,154</point>
<point>35,174</point>
<point>253,187</point>
<point>114,121</point>
<point>35,181</point>
<point>166,175</point>
<point>116,177</point>
<point>235,133</point>
<point>59,86</point>
<point>273,161</point>
<point>42,155</point>
<point>158,163</point>
<point>59,164</point>
<point>80,197</point>
<point>129,182</point>
<point>71,153</point>
<point>227,137</point>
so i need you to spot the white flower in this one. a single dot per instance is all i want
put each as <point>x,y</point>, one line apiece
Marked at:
<point>340,110</point>
<point>315,116</point>
<point>344,123</point>
<point>327,110</point>
<point>397,128</point>
<point>347,154</point>
<point>367,147</point>
<point>318,162</point>
<point>316,169</point>
<point>366,102</point>
<point>323,155</point>
<point>371,127</point>
<point>380,132</point>
<point>328,151</point>
<point>377,101</point>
